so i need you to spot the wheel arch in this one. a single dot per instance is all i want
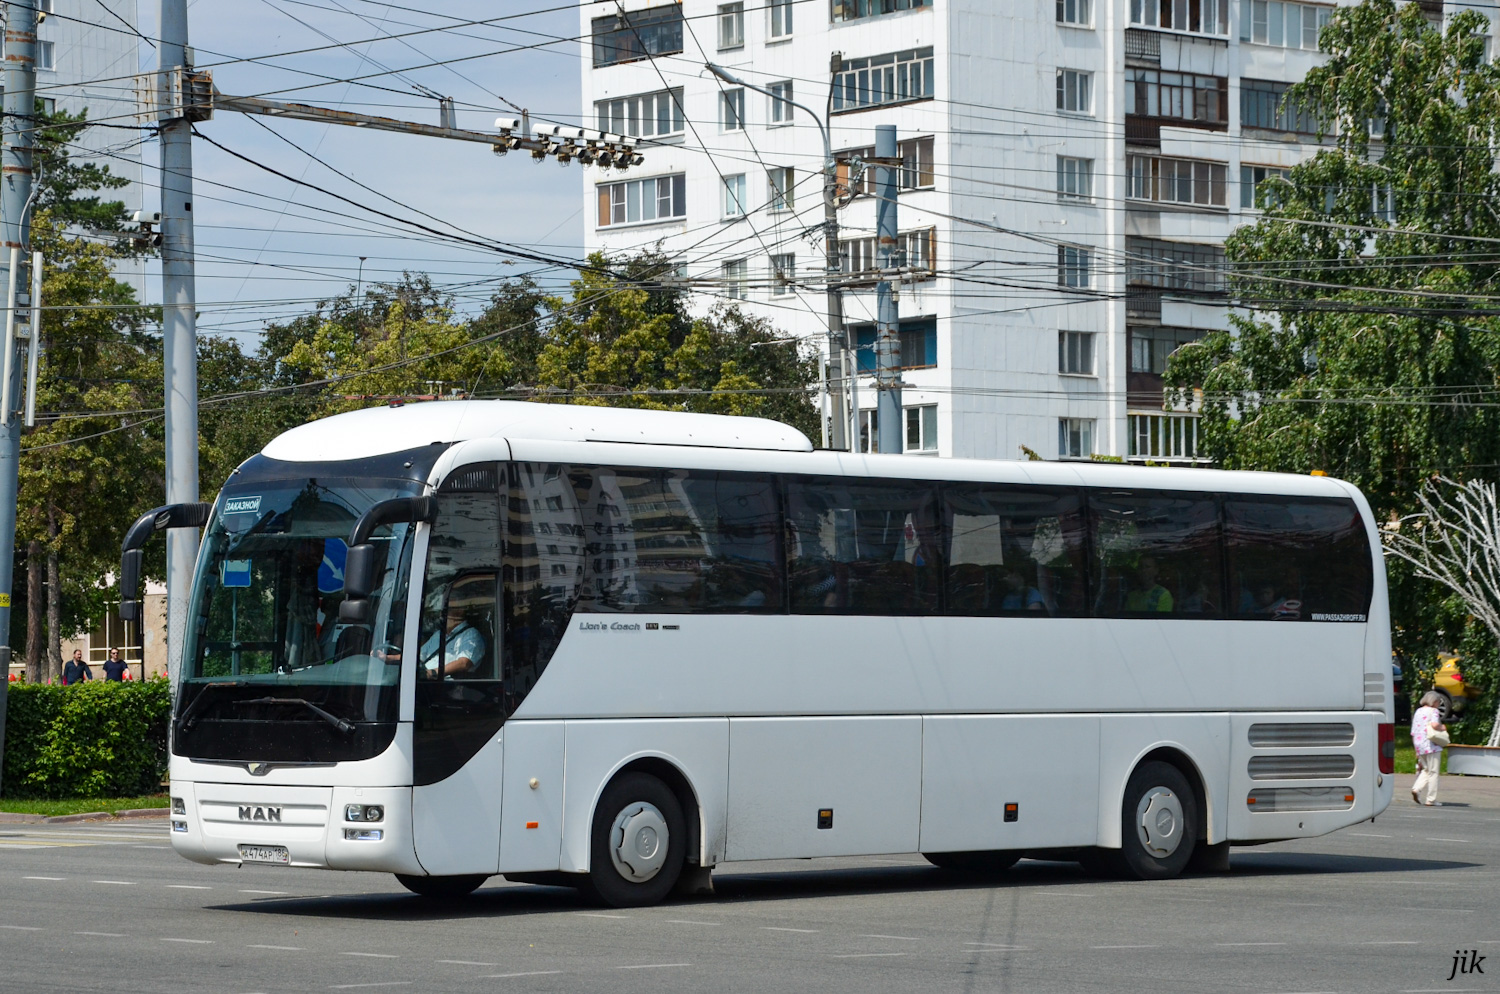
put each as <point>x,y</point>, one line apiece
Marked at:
<point>668,772</point>
<point>1173,754</point>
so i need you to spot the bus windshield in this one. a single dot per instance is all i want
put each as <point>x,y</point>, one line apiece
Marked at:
<point>269,649</point>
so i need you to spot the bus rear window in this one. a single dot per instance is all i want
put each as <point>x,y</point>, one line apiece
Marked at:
<point>1297,559</point>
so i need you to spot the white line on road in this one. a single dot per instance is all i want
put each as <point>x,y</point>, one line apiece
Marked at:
<point>115,883</point>
<point>44,878</point>
<point>779,928</point>
<point>373,955</point>
<point>902,938</point>
<point>464,962</point>
<point>1431,839</point>
<point>288,949</point>
<point>386,983</point>
<point>595,914</point>
<point>651,966</point>
<point>187,887</point>
<point>196,942</point>
<point>277,893</point>
<point>1391,942</point>
<point>151,847</point>
<point>1124,947</point>
<point>104,935</point>
<point>1249,943</point>
<point>1370,835</point>
<point>862,955</point>
<point>528,973</point>
<point>994,945</point>
<point>684,921</point>
<point>22,928</point>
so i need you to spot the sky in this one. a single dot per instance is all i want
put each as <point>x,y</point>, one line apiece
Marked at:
<point>270,248</point>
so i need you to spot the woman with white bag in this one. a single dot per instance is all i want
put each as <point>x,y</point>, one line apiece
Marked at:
<point>1428,736</point>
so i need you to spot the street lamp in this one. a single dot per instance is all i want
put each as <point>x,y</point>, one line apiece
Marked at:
<point>837,356</point>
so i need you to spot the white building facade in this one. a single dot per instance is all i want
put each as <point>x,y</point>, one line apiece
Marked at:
<point>1071,169</point>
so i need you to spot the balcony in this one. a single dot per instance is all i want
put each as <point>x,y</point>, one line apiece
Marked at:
<point>1142,46</point>
<point>1164,436</point>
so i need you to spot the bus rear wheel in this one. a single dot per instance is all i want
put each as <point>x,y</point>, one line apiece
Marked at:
<point>1159,824</point>
<point>442,887</point>
<point>638,844</point>
<point>980,864</point>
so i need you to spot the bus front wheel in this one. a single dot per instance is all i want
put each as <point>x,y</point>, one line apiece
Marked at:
<point>442,887</point>
<point>639,842</point>
<point>1159,827</point>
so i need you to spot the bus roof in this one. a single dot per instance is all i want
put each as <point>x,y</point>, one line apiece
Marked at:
<point>380,430</point>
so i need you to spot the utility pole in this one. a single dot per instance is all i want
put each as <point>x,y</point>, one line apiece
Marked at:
<point>887,329</point>
<point>178,323</point>
<point>15,200</point>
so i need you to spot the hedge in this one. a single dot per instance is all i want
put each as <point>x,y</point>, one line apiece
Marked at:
<point>99,739</point>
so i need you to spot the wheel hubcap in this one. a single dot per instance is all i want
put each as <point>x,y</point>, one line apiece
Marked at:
<point>638,842</point>
<point>1160,822</point>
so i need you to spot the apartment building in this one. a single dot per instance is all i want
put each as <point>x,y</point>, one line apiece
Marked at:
<point>1070,170</point>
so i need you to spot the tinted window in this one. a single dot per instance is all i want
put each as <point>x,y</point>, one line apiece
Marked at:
<point>665,541</point>
<point>1155,554</point>
<point>862,546</point>
<point>543,566</point>
<point>1014,551</point>
<point>1297,559</point>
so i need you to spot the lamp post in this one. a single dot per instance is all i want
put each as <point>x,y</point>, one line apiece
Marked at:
<point>838,359</point>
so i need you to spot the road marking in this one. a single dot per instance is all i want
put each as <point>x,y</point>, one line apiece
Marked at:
<point>373,955</point>
<point>288,949</point>
<point>1431,839</point>
<point>387,983</point>
<point>683,921</point>
<point>1249,943</point>
<point>994,945</point>
<point>196,942</point>
<point>115,883</point>
<point>595,914</point>
<point>278,893</point>
<point>1392,942</point>
<point>104,935</point>
<point>902,938</point>
<point>151,847</point>
<point>1370,835</point>
<point>464,962</point>
<point>529,973</point>
<point>22,928</point>
<point>862,955</point>
<point>1124,947</point>
<point>778,928</point>
<point>651,966</point>
<point>187,887</point>
<point>44,878</point>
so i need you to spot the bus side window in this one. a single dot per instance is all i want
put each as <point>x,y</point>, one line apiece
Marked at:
<point>868,547</point>
<point>1297,559</point>
<point>1014,551</point>
<point>1155,553</point>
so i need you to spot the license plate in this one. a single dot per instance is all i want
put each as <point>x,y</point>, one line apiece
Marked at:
<point>265,854</point>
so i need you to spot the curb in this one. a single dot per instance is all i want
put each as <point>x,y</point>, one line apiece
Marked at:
<point>132,814</point>
<point>84,816</point>
<point>13,818</point>
<point>142,813</point>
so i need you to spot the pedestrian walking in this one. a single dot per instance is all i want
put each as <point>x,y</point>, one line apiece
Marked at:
<point>1428,736</point>
<point>115,668</point>
<point>76,670</point>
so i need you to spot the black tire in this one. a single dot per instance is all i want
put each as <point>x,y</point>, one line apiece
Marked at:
<point>1163,848</point>
<point>981,863</point>
<point>639,807</point>
<point>1445,709</point>
<point>442,888</point>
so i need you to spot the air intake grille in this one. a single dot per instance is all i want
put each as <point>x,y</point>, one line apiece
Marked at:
<point>1286,735</point>
<point>1268,799</point>
<point>1301,767</point>
<point>478,478</point>
<point>1374,692</point>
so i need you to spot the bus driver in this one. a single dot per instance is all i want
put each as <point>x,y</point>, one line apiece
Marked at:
<point>464,645</point>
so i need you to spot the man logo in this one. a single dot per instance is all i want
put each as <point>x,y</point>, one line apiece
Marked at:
<point>255,813</point>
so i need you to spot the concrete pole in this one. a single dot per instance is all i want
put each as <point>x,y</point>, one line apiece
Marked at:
<point>887,327</point>
<point>15,225</point>
<point>179,334</point>
<point>837,346</point>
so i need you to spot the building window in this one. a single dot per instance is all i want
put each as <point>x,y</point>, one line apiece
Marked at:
<point>869,429</point>
<point>883,79</point>
<point>1075,178</point>
<point>1151,347</point>
<point>915,250</point>
<point>1207,17</point>
<point>783,274</point>
<point>853,10</point>
<point>1252,194</point>
<point>735,273</point>
<point>46,55</point>
<point>1286,25</point>
<point>731,25</point>
<point>732,110</point>
<point>1075,353</point>
<point>781,18</point>
<point>781,102</point>
<point>1075,91</point>
<point>640,200</point>
<point>916,171</point>
<point>782,183</point>
<point>1183,96</point>
<point>1075,12</point>
<point>1073,267</point>
<point>1177,181</point>
<point>647,115</point>
<point>1174,265</point>
<point>921,428</point>
<point>918,345</point>
<point>1075,438</point>
<point>734,195</point>
<point>1383,202</point>
<point>1263,104</point>
<point>639,34</point>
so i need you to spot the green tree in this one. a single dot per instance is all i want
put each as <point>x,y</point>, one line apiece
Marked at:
<point>1370,348</point>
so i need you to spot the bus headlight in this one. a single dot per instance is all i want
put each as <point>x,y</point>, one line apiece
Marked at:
<point>364,812</point>
<point>363,834</point>
<point>178,807</point>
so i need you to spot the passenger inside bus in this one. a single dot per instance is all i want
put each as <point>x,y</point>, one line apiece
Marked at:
<point>1146,595</point>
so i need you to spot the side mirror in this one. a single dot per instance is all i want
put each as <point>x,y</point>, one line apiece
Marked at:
<point>363,561</point>
<point>158,519</point>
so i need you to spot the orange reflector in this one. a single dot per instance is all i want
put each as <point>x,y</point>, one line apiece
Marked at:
<point>1349,797</point>
<point>1011,807</point>
<point>532,824</point>
<point>1249,800</point>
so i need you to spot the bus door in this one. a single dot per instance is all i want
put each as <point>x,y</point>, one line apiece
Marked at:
<point>460,700</point>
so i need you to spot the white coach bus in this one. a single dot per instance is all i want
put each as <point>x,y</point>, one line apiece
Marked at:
<point>615,648</point>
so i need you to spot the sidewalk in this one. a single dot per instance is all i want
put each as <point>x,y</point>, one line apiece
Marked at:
<point>1476,792</point>
<point>136,814</point>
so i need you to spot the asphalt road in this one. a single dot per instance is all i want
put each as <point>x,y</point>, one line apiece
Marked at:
<point>1376,908</point>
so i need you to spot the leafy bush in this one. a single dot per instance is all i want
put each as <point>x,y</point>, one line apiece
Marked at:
<point>99,739</point>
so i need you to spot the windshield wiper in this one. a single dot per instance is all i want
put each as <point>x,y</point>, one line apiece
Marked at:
<point>189,716</point>
<point>334,720</point>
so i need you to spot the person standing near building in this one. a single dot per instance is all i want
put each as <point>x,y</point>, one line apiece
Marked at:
<point>76,670</point>
<point>1427,720</point>
<point>115,668</point>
